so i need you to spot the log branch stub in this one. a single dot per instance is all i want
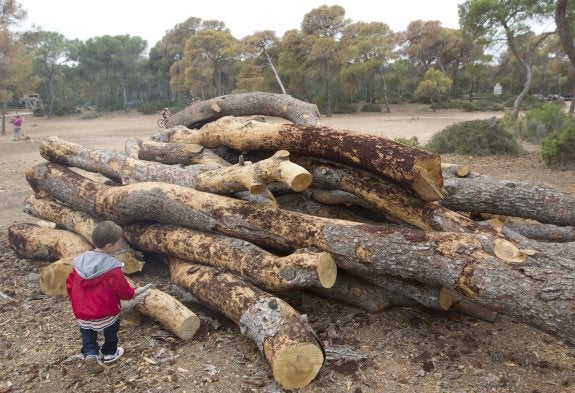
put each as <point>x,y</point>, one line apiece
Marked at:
<point>414,168</point>
<point>282,335</point>
<point>256,103</point>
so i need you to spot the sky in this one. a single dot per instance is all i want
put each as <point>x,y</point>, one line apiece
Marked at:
<point>152,19</point>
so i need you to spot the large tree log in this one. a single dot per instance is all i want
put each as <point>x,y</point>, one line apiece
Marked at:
<point>385,196</point>
<point>256,103</point>
<point>536,289</point>
<point>35,242</point>
<point>81,223</point>
<point>303,269</point>
<point>285,339</point>
<point>211,178</point>
<point>543,232</point>
<point>414,168</point>
<point>484,194</point>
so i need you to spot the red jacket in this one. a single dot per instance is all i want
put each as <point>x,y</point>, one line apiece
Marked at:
<point>96,286</point>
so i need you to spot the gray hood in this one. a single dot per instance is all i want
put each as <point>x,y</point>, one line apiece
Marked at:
<point>92,264</point>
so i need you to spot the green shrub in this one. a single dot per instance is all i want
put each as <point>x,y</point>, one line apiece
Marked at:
<point>150,107</point>
<point>558,149</point>
<point>90,115</point>
<point>541,122</point>
<point>371,108</point>
<point>482,105</point>
<point>476,137</point>
<point>39,112</point>
<point>413,141</point>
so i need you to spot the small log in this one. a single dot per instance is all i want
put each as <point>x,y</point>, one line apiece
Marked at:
<point>484,194</point>
<point>281,334</point>
<point>53,277</point>
<point>543,232</point>
<point>413,168</point>
<point>212,179</point>
<point>35,242</point>
<point>81,223</point>
<point>255,103</point>
<point>302,269</point>
<point>172,153</point>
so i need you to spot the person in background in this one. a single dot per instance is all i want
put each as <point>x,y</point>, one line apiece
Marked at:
<point>95,287</point>
<point>17,123</point>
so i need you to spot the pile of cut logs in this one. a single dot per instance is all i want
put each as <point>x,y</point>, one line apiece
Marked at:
<point>244,210</point>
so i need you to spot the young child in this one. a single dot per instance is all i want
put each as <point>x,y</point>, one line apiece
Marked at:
<point>95,287</point>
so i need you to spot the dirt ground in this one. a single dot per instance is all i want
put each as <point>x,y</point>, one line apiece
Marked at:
<point>402,349</point>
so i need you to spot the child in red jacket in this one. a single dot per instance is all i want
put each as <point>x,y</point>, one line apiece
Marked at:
<point>95,288</point>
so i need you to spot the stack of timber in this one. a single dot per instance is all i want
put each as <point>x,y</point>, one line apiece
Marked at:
<point>244,210</point>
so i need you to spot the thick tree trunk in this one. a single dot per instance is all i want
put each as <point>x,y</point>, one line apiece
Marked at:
<point>211,178</point>
<point>303,269</point>
<point>35,242</point>
<point>82,224</point>
<point>414,168</point>
<point>256,103</point>
<point>534,288</point>
<point>484,194</point>
<point>285,339</point>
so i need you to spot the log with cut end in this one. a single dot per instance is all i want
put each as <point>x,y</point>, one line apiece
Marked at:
<point>281,334</point>
<point>209,178</point>
<point>172,153</point>
<point>538,291</point>
<point>414,168</point>
<point>81,223</point>
<point>35,242</point>
<point>255,103</point>
<point>485,194</point>
<point>302,269</point>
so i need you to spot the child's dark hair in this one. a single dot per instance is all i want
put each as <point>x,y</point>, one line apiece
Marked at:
<point>106,232</point>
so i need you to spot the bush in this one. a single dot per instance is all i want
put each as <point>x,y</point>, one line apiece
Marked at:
<point>476,137</point>
<point>413,141</point>
<point>90,115</point>
<point>150,107</point>
<point>39,112</point>
<point>345,107</point>
<point>542,122</point>
<point>558,149</point>
<point>371,108</point>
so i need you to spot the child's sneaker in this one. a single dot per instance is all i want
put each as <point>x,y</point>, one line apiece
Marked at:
<point>94,364</point>
<point>112,358</point>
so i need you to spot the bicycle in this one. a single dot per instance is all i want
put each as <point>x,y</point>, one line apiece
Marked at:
<point>162,122</point>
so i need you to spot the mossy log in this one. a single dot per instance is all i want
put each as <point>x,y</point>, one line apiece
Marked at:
<point>533,288</point>
<point>199,113</point>
<point>413,168</point>
<point>302,269</point>
<point>281,334</point>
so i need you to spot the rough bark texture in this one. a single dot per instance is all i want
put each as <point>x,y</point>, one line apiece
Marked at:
<point>209,178</point>
<point>484,194</point>
<point>172,153</point>
<point>81,223</point>
<point>256,103</point>
<point>35,242</point>
<point>414,168</point>
<point>543,232</point>
<point>303,269</point>
<point>286,340</point>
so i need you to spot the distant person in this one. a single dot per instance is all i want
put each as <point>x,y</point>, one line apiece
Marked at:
<point>95,287</point>
<point>17,123</point>
<point>166,114</point>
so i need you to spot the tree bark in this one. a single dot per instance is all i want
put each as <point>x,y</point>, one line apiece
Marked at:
<point>535,289</point>
<point>82,224</point>
<point>256,103</point>
<point>484,194</point>
<point>285,339</point>
<point>303,269</point>
<point>543,232</point>
<point>172,153</point>
<point>211,178</point>
<point>35,242</point>
<point>413,168</point>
